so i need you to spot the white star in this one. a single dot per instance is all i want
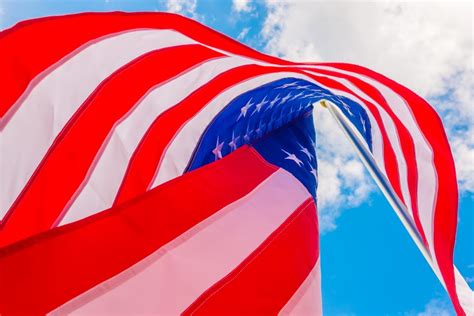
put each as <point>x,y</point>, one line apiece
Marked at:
<point>323,94</point>
<point>314,172</point>
<point>218,150</point>
<point>233,142</point>
<point>284,99</point>
<point>299,108</point>
<point>245,108</point>
<point>311,95</point>
<point>297,96</point>
<point>287,85</point>
<point>293,158</point>
<point>363,123</point>
<point>247,135</point>
<point>280,118</point>
<point>289,115</point>
<point>306,152</point>
<point>303,87</point>
<point>259,105</point>
<point>348,109</point>
<point>278,122</point>
<point>272,103</point>
<point>260,128</point>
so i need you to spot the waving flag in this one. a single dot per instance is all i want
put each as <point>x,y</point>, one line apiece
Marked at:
<point>201,152</point>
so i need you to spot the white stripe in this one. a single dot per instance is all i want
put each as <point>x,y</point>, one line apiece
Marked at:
<point>100,187</point>
<point>173,277</point>
<point>464,293</point>
<point>49,105</point>
<point>307,299</point>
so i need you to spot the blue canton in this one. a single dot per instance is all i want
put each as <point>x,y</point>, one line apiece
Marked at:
<point>276,119</point>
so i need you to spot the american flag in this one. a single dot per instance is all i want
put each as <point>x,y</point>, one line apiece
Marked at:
<point>152,165</point>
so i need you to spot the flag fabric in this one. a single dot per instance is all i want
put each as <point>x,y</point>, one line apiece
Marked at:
<point>201,151</point>
<point>216,239</point>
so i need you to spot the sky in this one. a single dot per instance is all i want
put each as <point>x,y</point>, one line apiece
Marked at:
<point>370,266</point>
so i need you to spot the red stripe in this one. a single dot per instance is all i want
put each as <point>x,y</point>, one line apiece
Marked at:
<point>406,142</point>
<point>445,214</point>
<point>25,51</point>
<point>71,259</point>
<point>68,160</point>
<point>268,278</point>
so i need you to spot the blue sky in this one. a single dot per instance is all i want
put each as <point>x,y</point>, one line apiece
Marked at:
<point>370,265</point>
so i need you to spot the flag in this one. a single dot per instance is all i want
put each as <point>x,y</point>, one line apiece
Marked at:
<point>150,164</point>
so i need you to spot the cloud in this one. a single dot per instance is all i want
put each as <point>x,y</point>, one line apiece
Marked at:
<point>243,33</point>
<point>425,46</point>
<point>470,279</point>
<point>241,6</point>
<point>394,38</point>
<point>184,7</point>
<point>343,181</point>
<point>435,307</point>
<point>463,151</point>
<point>2,13</point>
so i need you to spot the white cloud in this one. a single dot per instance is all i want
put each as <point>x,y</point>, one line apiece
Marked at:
<point>463,151</point>
<point>241,5</point>
<point>394,38</point>
<point>2,12</point>
<point>426,46</point>
<point>184,7</point>
<point>243,33</point>
<point>343,181</point>
<point>434,307</point>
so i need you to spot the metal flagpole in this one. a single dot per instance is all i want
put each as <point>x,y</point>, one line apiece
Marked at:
<point>464,292</point>
<point>364,154</point>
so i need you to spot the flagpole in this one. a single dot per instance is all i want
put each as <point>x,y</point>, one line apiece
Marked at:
<point>367,159</point>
